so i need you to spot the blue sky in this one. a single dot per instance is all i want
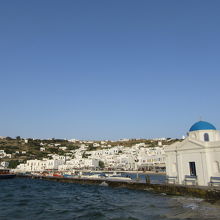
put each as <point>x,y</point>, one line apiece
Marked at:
<point>108,69</point>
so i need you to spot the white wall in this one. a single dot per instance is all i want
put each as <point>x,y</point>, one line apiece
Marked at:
<point>206,156</point>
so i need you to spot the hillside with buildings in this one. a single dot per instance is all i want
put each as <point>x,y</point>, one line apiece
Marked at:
<point>28,155</point>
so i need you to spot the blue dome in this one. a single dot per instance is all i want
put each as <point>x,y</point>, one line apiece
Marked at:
<point>202,125</point>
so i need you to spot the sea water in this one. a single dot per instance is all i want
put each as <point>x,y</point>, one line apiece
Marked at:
<point>34,199</point>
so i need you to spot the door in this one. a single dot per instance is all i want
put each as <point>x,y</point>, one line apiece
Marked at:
<point>192,168</point>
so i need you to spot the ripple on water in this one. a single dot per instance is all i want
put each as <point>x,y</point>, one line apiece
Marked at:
<point>37,199</point>
<point>23,202</point>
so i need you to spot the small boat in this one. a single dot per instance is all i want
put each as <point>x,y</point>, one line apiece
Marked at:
<point>57,175</point>
<point>92,176</point>
<point>5,174</point>
<point>118,177</point>
<point>103,176</point>
<point>68,176</point>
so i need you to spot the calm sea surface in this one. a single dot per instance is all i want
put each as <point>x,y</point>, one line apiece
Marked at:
<point>39,199</point>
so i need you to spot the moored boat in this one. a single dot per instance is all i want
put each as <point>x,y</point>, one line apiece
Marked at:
<point>5,174</point>
<point>57,175</point>
<point>118,177</point>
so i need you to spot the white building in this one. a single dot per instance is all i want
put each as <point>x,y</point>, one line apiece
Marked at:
<point>96,145</point>
<point>82,163</point>
<point>3,154</point>
<point>195,160</point>
<point>72,140</point>
<point>4,164</point>
<point>39,165</point>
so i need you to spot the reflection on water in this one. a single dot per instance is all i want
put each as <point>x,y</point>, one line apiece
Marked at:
<point>39,199</point>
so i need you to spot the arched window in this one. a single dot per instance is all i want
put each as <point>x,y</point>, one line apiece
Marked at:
<point>206,137</point>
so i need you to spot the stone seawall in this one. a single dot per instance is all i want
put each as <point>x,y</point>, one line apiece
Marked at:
<point>210,194</point>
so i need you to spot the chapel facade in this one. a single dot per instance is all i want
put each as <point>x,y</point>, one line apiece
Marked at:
<point>195,160</point>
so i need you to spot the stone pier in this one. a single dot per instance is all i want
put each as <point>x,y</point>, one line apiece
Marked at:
<point>210,194</point>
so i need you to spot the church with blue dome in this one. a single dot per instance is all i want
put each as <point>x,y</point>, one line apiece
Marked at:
<point>196,159</point>
<point>202,125</point>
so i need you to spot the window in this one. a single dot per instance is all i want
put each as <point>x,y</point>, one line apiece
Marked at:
<point>206,137</point>
<point>192,168</point>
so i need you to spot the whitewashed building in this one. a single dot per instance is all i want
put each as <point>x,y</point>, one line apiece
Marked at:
<point>195,160</point>
<point>3,154</point>
<point>83,163</point>
<point>39,165</point>
<point>4,164</point>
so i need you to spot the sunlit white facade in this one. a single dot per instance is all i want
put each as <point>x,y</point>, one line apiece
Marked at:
<point>195,160</point>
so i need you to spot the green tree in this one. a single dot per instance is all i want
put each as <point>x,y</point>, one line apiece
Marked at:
<point>13,164</point>
<point>90,147</point>
<point>101,164</point>
<point>84,155</point>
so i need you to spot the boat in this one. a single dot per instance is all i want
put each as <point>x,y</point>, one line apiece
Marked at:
<point>91,176</point>
<point>118,177</point>
<point>57,175</point>
<point>5,174</point>
<point>103,176</point>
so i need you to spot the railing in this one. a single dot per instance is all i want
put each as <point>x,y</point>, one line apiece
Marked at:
<point>214,181</point>
<point>192,180</point>
<point>171,179</point>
